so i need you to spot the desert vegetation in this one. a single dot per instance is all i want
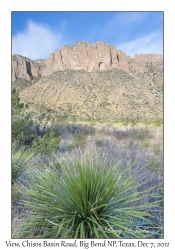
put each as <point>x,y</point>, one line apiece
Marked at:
<point>85,179</point>
<point>87,144</point>
<point>110,96</point>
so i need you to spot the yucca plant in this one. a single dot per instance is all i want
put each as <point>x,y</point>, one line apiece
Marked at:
<point>20,159</point>
<point>87,201</point>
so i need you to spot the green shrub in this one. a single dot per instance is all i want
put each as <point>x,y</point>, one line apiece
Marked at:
<point>22,130</point>
<point>87,201</point>
<point>156,149</point>
<point>145,144</point>
<point>79,140</point>
<point>21,156</point>
<point>99,143</point>
<point>158,122</point>
<point>48,143</point>
<point>23,127</point>
<point>17,107</point>
<point>154,165</point>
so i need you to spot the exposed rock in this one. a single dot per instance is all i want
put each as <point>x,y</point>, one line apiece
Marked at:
<point>122,61</point>
<point>23,67</point>
<point>19,68</point>
<point>138,67</point>
<point>84,56</point>
<point>54,63</point>
<point>155,60</point>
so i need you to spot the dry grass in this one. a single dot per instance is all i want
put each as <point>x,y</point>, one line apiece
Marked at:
<point>100,95</point>
<point>113,146</point>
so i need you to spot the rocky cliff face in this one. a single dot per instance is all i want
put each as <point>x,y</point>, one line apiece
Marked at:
<point>82,55</point>
<point>145,59</point>
<point>25,68</point>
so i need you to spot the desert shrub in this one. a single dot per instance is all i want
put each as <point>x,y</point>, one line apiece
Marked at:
<point>79,139</point>
<point>87,201</point>
<point>99,143</point>
<point>23,130</point>
<point>154,164</point>
<point>21,157</point>
<point>16,105</point>
<point>156,149</point>
<point>145,144</point>
<point>47,143</point>
<point>158,122</point>
<point>22,124</point>
<point>120,134</point>
<point>143,133</point>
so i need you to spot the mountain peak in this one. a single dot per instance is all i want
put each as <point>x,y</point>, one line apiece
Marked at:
<point>81,55</point>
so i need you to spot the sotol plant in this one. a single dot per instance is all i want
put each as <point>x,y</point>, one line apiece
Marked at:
<point>87,201</point>
<point>21,156</point>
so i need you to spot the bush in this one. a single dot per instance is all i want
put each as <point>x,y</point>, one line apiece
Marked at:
<point>87,201</point>
<point>99,143</point>
<point>156,149</point>
<point>16,106</point>
<point>145,144</point>
<point>154,165</point>
<point>21,156</point>
<point>158,122</point>
<point>22,130</point>
<point>143,133</point>
<point>48,143</point>
<point>79,139</point>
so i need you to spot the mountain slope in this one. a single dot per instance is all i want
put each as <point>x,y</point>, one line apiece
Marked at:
<point>92,81</point>
<point>106,95</point>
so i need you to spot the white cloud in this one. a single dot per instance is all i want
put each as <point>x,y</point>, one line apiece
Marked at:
<point>38,41</point>
<point>122,24</point>
<point>125,18</point>
<point>151,43</point>
<point>121,19</point>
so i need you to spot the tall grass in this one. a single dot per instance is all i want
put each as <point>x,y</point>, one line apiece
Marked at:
<point>89,200</point>
<point>21,156</point>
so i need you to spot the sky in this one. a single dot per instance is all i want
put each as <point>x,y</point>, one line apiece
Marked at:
<point>38,34</point>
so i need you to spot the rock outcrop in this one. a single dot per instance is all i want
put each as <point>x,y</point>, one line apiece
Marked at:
<point>84,56</point>
<point>148,58</point>
<point>25,68</point>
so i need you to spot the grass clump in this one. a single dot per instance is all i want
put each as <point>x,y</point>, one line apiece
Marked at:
<point>21,156</point>
<point>158,122</point>
<point>145,144</point>
<point>143,133</point>
<point>154,165</point>
<point>156,149</point>
<point>86,201</point>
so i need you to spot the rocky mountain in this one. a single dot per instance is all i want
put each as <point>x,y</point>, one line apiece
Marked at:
<point>92,80</point>
<point>85,56</point>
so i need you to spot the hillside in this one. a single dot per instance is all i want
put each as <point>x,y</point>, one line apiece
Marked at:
<point>92,81</point>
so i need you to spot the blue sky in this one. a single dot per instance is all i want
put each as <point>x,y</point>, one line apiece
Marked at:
<point>37,34</point>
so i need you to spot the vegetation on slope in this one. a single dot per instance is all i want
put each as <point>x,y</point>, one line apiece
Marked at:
<point>109,96</point>
<point>59,190</point>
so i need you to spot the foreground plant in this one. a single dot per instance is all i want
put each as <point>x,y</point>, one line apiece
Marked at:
<point>21,156</point>
<point>87,201</point>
